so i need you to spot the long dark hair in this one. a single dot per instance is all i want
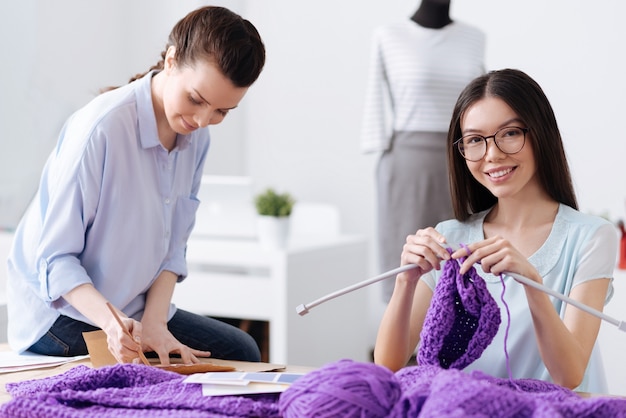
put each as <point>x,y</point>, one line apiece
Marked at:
<point>528,100</point>
<point>220,36</point>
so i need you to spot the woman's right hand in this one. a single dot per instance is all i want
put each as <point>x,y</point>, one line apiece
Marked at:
<point>400,327</point>
<point>426,250</point>
<point>124,348</point>
<point>90,302</point>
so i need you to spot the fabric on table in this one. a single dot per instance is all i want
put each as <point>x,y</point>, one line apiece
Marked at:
<point>129,390</point>
<point>126,390</point>
<point>430,391</point>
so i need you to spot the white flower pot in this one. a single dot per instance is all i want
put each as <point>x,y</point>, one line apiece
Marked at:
<point>273,232</point>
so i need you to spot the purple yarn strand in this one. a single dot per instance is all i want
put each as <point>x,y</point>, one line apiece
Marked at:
<point>506,332</point>
<point>508,324</point>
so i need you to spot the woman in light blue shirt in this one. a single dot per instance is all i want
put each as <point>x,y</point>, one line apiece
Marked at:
<point>117,201</point>
<point>516,210</point>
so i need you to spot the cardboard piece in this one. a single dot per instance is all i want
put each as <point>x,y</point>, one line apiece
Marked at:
<point>101,356</point>
<point>98,349</point>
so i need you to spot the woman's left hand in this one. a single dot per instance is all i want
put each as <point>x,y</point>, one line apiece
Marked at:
<point>159,339</point>
<point>497,255</point>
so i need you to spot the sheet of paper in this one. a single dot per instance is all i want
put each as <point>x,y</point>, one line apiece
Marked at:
<point>229,377</point>
<point>11,361</point>
<point>241,383</point>
<point>252,387</point>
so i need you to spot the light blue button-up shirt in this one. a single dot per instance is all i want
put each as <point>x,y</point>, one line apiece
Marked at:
<point>114,208</point>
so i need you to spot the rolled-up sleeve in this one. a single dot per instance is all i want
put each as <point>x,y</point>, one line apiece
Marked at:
<point>71,185</point>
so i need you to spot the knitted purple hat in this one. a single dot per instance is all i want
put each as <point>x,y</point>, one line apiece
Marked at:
<point>461,321</point>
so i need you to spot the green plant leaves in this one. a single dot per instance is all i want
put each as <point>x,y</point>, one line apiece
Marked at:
<point>270,203</point>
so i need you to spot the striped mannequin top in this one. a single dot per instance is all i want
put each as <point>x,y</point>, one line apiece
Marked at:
<point>415,77</point>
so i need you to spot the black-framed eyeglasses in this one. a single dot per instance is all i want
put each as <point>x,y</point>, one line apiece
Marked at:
<point>509,140</point>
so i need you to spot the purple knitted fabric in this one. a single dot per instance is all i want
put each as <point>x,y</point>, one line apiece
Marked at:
<point>342,389</point>
<point>454,393</point>
<point>126,390</point>
<point>461,321</point>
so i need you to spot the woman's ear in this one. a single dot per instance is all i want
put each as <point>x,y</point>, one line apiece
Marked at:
<point>170,59</point>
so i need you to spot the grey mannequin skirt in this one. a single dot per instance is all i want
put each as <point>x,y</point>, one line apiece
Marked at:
<point>412,193</point>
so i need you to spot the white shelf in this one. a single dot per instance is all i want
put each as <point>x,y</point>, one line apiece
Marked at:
<point>240,279</point>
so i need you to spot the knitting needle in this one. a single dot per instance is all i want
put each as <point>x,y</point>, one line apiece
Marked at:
<point>142,356</point>
<point>619,324</point>
<point>303,309</point>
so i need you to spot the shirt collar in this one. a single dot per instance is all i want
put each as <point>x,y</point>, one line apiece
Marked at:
<point>148,133</point>
<point>547,256</point>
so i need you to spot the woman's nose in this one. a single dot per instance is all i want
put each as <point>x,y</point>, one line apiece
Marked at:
<point>202,119</point>
<point>492,150</point>
<point>205,116</point>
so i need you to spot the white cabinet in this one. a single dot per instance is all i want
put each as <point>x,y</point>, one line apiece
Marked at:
<point>237,278</point>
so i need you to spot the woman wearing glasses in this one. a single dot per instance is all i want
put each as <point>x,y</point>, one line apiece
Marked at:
<point>516,211</point>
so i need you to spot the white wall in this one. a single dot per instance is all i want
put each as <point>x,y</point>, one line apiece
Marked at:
<point>57,55</point>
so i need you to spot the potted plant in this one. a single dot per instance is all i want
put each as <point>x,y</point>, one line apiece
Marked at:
<point>274,210</point>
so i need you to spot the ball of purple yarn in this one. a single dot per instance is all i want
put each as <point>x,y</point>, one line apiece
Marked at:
<point>345,388</point>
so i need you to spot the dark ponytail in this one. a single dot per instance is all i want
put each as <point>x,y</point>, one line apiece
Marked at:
<point>218,35</point>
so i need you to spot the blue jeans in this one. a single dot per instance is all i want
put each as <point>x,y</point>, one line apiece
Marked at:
<point>224,341</point>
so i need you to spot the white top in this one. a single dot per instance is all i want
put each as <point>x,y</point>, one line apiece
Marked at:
<point>415,77</point>
<point>580,248</point>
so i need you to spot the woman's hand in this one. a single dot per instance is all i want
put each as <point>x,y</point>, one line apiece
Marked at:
<point>426,250</point>
<point>400,327</point>
<point>157,338</point>
<point>124,348</point>
<point>93,305</point>
<point>496,255</point>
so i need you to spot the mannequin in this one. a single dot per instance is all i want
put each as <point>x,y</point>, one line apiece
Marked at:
<point>433,14</point>
<point>418,67</point>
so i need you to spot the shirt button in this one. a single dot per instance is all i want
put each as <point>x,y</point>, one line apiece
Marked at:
<point>167,201</point>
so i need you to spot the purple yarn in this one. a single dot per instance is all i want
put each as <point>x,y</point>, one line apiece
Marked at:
<point>506,333</point>
<point>342,389</point>
<point>461,321</point>
<point>349,389</point>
